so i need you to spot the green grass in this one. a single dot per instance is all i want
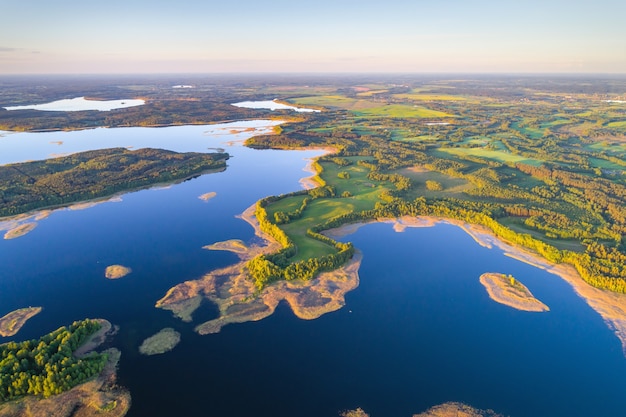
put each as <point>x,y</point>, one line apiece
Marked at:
<point>452,186</point>
<point>517,225</point>
<point>364,192</point>
<point>497,155</point>
<point>429,97</point>
<point>621,124</point>
<point>603,163</point>
<point>333,101</point>
<point>401,111</point>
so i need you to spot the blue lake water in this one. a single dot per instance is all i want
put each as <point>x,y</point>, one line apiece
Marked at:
<point>420,330</point>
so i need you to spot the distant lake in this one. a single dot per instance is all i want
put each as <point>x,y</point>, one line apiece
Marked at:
<point>420,330</point>
<point>272,105</point>
<point>81,104</point>
<point>20,147</point>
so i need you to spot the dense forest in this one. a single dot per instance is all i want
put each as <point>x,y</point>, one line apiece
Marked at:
<point>95,174</point>
<point>47,366</point>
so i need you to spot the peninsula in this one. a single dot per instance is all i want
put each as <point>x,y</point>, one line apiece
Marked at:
<point>509,291</point>
<point>83,382</point>
<point>62,181</point>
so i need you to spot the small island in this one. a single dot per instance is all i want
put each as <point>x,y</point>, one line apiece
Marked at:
<point>11,323</point>
<point>116,271</point>
<point>505,289</point>
<point>19,231</point>
<point>207,196</point>
<point>162,342</point>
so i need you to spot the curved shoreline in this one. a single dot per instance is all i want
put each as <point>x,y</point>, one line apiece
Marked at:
<point>611,306</point>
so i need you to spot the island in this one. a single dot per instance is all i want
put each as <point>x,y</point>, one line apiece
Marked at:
<point>61,374</point>
<point>12,322</point>
<point>117,271</point>
<point>95,174</point>
<point>161,342</point>
<point>451,409</point>
<point>505,289</point>
<point>207,196</point>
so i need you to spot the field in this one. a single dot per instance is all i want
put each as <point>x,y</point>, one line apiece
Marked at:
<point>400,111</point>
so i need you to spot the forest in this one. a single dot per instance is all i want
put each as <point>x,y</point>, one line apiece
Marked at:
<point>47,366</point>
<point>95,174</point>
<point>538,160</point>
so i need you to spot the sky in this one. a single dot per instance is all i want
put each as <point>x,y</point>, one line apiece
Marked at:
<point>330,36</point>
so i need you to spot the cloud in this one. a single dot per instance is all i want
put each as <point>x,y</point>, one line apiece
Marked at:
<point>8,49</point>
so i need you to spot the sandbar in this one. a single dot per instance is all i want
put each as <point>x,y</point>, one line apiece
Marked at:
<point>20,230</point>
<point>510,292</point>
<point>207,196</point>
<point>238,301</point>
<point>12,322</point>
<point>163,341</point>
<point>116,271</point>
<point>234,245</point>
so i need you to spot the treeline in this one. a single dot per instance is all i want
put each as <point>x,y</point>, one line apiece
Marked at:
<point>47,366</point>
<point>265,269</point>
<point>157,112</point>
<point>95,174</point>
<point>599,266</point>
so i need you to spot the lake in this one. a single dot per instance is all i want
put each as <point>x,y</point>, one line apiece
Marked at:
<point>81,104</point>
<point>420,329</point>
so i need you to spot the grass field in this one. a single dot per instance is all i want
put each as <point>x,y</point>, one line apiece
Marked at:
<point>401,111</point>
<point>364,195</point>
<point>452,187</point>
<point>497,155</point>
<point>333,101</point>
<point>517,225</point>
<point>429,97</point>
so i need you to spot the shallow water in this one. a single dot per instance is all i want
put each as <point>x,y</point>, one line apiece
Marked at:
<point>420,329</point>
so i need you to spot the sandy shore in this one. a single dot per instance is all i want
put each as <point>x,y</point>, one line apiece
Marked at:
<point>611,306</point>
<point>236,297</point>
<point>501,290</point>
<point>309,182</point>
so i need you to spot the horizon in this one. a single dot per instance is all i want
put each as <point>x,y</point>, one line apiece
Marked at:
<point>483,36</point>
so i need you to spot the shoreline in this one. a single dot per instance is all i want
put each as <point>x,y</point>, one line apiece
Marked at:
<point>12,222</point>
<point>308,183</point>
<point>610,306</point>
<point>236,296</point>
